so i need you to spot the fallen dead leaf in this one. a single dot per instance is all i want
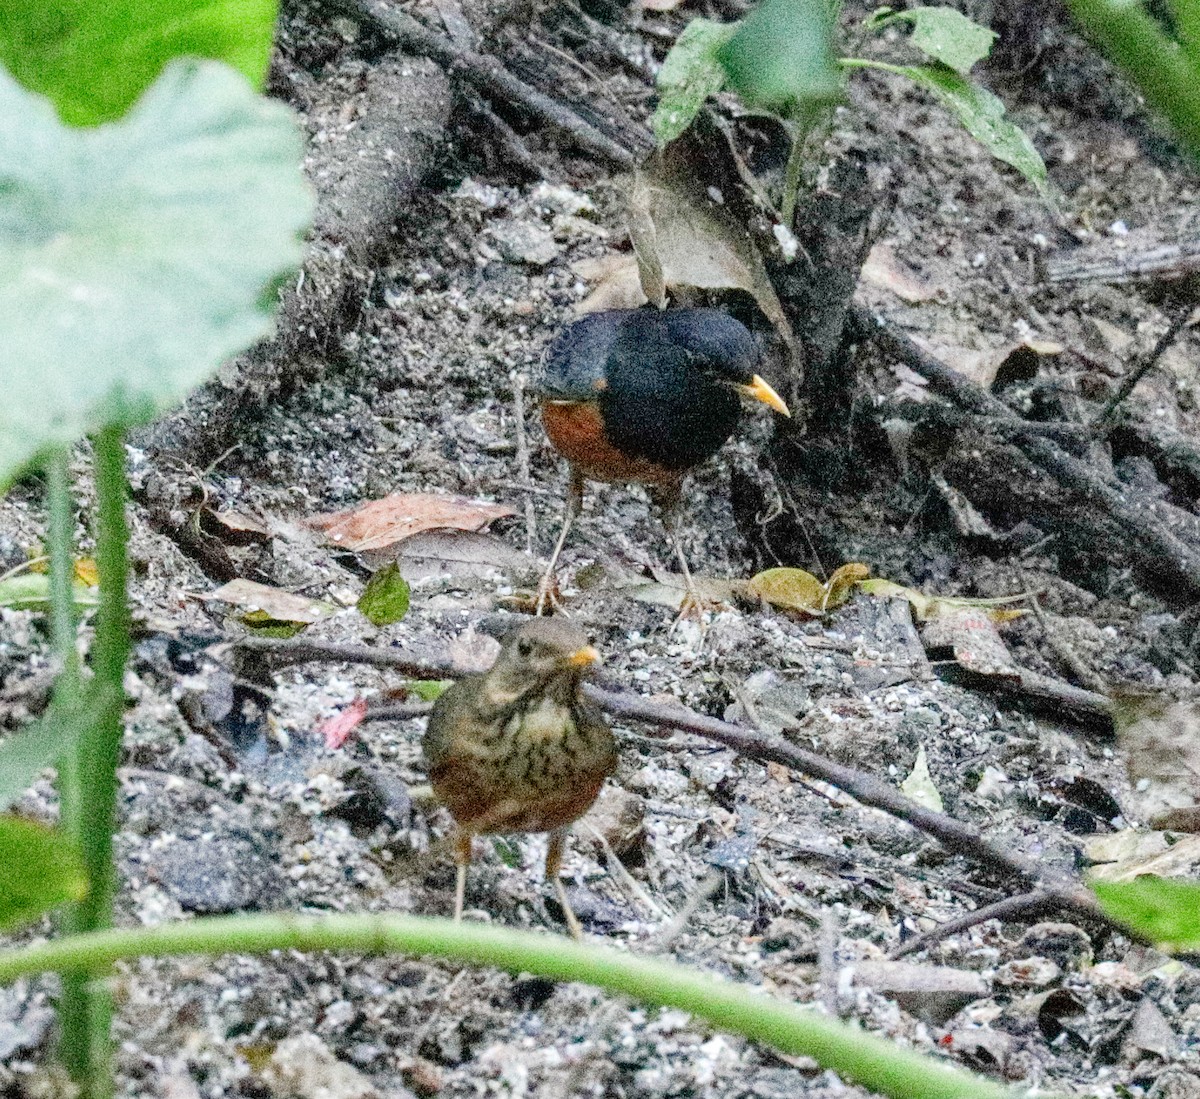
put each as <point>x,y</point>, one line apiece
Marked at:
<point>338,728</point>
<point>618,283</point>
<point>683,236</point>
<point>1161,738</point>
<point>382,523</point>
<point>276,603</point>
<point>886,270</point>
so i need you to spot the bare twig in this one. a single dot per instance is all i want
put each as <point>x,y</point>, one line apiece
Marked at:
<point>1180,317</point>
<point>1024,906</point>
<point>484,73</point>
<point>954,835</point>
<point>1158,551</point>
<point>523,475</point>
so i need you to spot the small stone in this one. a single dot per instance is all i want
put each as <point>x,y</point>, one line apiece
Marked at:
<point>1028,973</point>
<point>519,242</point>
<point>932,993</point>
<point>304,1067</point>
<point>619,816</point>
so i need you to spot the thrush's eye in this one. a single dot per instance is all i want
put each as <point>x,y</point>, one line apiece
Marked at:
<point>524,647</point>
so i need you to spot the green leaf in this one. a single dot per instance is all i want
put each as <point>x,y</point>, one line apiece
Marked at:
<point>136,254</point>
<point>689,75</point>
<point>41,744</point>
<point>982,114</point>
<point>781,58</point>
<point>39,870</point>
<point>30,591</point>
<point>1165,910</point>
<point>385,598</point>
<point>507,851</point>
<point>94,60</point>
<point>943,34</point>
<point>429,690</point>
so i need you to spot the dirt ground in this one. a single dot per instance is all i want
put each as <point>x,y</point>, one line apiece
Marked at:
<point>738,868</point>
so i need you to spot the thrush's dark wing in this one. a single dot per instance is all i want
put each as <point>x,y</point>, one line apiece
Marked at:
<point>577,358</point>
<point>449,718</point>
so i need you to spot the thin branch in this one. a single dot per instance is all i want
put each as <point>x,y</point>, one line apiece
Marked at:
<point>1182,313</point>
<point>484,73</point>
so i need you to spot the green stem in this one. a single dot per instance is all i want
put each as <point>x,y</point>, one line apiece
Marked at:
<point>61,538</point>
<point>791,181</point>
<point>86,1006</point>
<point>876,1064</point>
<point>1167,77</point>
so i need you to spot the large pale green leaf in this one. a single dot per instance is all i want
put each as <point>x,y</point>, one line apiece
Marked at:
<point>139,255</point>
<point>94,59</point>
<point>781,57</point>
<point>39,869</point>
<point>981,114</point>
<point>1165,910</point>
<point>942,34</point>
<point>690,74</point>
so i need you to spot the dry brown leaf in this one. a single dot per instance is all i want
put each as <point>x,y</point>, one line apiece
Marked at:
<point>275,602</point>
<point>1124,855</point>
<point>1161,738</point>
<point>970,634</point>
<point>381,523</point>
<point>683,236</point>
<point>1014,360</point>
<point>618,283</point>
<point>886,270</point>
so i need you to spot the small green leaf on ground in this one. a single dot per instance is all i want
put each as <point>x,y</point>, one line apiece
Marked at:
<point>941,33</point>
<point>30,591</point>
<point>39,870</point>
<point>781,58</point>
<point>689,75</point>
<point>982,115</point>
<point>1165,910</point>
<point>919,785</point>
<point>507,851</point>
<point>429,690</point>
<point>136,255</point>
<point>385,598</point>
<point>94,60</point>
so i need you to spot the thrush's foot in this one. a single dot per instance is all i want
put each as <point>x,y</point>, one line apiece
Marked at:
<point>548,596</point>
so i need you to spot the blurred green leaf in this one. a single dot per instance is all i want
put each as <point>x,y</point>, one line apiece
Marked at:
<point>689,75</point>
<point>507,851</point>
<point>1165,910</point>
<point>781,58</point>
<point>941,33</point>
<point>30,591</point>
<point>136,254</point>
<point>39,870</point>
<point>429,690</point>
<point>41,744</point>
<point>981,114</point>
<point>94,60</point>
<point>385,598</point>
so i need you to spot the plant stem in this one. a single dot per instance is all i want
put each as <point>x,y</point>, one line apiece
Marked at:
<point>791,180</point>
<point>61,537</point>
<point>876,1064</point>
<point>1165,74</point>
<point>86,1006</point>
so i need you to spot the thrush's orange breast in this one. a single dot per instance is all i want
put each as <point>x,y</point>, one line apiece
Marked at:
<point>577,431</point>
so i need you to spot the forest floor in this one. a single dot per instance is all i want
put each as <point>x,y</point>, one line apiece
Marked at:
<point>739,868</point>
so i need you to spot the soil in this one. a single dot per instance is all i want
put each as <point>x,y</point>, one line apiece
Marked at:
<point>737,868</point>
